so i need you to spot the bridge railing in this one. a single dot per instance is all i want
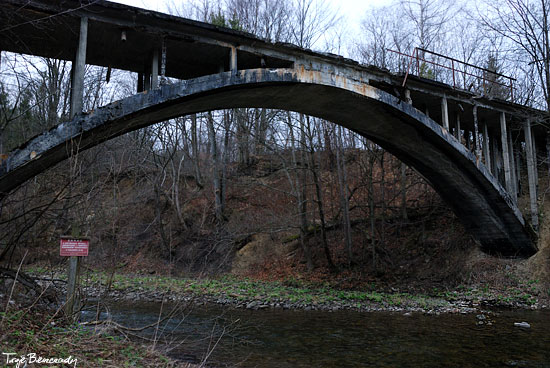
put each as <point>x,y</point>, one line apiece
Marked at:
<point>457,73</point>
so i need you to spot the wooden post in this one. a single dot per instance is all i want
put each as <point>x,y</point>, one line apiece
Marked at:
<point>505,153</point>
<point>486,151</point>
<point>73,280</point>
<point>79,67</point>
<point>155,70</point>
<point>233,60</point>
<point>77,92</point>
<point>445,113</point>
<point>72,303</point>
<point>531,175</point>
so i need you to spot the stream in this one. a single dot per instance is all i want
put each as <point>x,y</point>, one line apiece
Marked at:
<point>297,338</point>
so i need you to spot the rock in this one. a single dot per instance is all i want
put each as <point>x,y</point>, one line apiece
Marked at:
<point>408,314</point>
<point>522,324</point>
<point>252,305</point>
<point>481,317</point>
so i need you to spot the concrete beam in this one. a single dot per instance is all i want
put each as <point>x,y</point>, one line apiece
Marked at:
<point>505,154</point>
<point>445,113</point>
<point>79,67</point>
<point>531,168</point>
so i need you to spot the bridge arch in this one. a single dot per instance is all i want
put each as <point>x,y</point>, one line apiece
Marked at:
<point>477,198</point>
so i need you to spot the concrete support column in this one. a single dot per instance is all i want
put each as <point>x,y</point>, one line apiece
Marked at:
<point>408,98</point>
<point>140,83</point>
<point>155,70</point>
<point>79,67</point>
<point>518,169</point>
<point>531,175</point>
<point>535,158</point>
<point>486,150</point>
<point>505,153</point>
<point>147,81</point>
<point>445,113</point>
<point>512,167</point>
<point>458,131</point>
<point>476,136</point>
<point>467,138</point>
<point>497,161</point>
<point>233,60</point>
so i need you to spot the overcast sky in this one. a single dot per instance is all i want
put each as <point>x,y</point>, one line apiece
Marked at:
<point>352,10</point>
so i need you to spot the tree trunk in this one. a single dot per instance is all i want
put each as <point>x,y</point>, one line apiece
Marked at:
<point>319,201</point>
<point>343,185</point>
<point>195,149</point>
<point>216,168</point>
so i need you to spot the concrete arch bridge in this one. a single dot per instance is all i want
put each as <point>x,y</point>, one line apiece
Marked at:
<point>430,126</point>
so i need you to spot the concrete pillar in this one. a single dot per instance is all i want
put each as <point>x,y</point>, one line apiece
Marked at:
<point>408,98</point>
<point>146,81</point>
<point>467,138</point>
<point>79,67</point>
<point>486,150</point>
<point>495,159</point>
<point>518,170</point>
<point>476,135</point>
<point>458,131</point>
<point>505,153</point>
<point>512,167</point>
<point>427,112</point>
<point>535,158</point>
<point>163,60</point>
<point>140,83</point>
<point>155,70</point>
<point>233,60</point>
<point>531,175</point>
<point>445,113</point>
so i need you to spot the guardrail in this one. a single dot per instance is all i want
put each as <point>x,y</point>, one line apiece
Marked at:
<point>457,69</point>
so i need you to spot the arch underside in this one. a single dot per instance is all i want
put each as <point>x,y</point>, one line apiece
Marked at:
<point>478,200</point>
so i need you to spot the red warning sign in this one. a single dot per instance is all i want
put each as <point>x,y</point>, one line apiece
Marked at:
<point>70,247</point>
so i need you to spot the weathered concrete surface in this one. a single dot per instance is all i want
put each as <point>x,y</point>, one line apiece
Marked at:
<point>484,207</point>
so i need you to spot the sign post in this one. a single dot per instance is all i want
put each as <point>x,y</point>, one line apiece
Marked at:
<point>74,248</point>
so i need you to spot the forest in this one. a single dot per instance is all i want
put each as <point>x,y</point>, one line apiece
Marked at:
<point>270,194</point>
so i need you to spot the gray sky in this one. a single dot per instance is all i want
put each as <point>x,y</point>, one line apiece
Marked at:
<point>351,10</point>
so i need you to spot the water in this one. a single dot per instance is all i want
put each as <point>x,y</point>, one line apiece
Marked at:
<point>282,338</point>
